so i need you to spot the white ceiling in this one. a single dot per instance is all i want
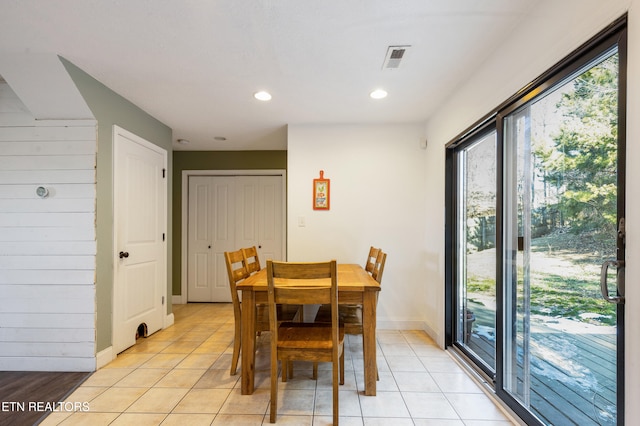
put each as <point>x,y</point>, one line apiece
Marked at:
<point>195,64</point>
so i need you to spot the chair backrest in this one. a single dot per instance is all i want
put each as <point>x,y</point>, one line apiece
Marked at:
<point>251,260</point>
<point>371,259</point>
<point>378,268</point>
<point>297,283</point>
<point>237,271</point>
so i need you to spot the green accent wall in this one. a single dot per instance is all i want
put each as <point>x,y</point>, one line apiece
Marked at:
<point>109,108</point>
<point>211,160</point>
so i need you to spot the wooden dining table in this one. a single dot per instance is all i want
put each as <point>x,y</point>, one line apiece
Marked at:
<point>355,287</point>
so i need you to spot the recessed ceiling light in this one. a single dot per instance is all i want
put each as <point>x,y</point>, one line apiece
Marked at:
<point>262,96</point>
<point>378,94</point>
<point>183,141</point>
<point>219,138</point>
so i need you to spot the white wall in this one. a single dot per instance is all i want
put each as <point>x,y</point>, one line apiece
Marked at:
<point>549,34</point>
<point>378,197</point>
<point>47,246</point>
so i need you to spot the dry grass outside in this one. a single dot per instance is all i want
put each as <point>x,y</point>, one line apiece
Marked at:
<point>565,279</point>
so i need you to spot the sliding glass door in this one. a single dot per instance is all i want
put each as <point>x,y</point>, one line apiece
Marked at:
<point>536,226</point>
<point>476,249</point>
<point>560,225</point>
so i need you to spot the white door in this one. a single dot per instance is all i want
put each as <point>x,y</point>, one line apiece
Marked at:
<point>260,208</point>
<point>227,213</point>
<point>140,222</point>
<point>211,233</point>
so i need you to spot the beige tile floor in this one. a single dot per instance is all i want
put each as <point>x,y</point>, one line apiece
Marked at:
<point>180,376</point>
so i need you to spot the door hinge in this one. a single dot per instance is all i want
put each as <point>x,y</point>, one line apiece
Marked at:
<point>163,300</point>
<point>163,236</point>
<point>163,172</point>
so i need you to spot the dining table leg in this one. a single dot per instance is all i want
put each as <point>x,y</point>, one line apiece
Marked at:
<point>248,346</point>
<point>369,341</point>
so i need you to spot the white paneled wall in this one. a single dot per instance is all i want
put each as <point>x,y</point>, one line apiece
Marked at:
<point>47,244</point>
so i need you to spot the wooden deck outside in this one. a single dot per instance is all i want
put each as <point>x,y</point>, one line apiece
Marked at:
<point>573,376</point>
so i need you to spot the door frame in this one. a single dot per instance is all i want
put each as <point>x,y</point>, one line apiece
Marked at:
<point>186,174</point>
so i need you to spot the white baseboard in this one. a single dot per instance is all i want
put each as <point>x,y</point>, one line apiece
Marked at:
<point>104,357</point>
<point>178,299</point>
<point>168,320</point>
<point>437,336</point>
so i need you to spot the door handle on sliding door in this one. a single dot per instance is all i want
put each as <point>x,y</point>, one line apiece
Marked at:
<point>604,287</point>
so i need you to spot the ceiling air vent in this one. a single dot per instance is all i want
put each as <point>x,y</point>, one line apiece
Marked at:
<point>394,57</point>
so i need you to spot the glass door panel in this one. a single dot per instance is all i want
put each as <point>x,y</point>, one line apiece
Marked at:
<point>476,249</point>
<point>560,225</point>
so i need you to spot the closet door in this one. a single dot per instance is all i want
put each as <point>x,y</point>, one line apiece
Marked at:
<point>227,213</point>
<point>212,216</point>
<point>260,216</point>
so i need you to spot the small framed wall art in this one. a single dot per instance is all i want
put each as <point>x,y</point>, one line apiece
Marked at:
<point>321,188</point>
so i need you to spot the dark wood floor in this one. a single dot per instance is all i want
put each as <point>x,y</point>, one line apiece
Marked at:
<point>42,389</point>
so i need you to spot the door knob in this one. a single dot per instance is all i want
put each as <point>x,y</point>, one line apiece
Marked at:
<point>124,254</point>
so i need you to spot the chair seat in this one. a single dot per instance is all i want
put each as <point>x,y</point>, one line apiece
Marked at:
<point>307,336</point>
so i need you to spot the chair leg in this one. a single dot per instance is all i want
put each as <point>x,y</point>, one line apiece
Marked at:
<point>273,410</point>
<point>342,368</point>
<point>236,355</point>
<point>315,370</point>
<point>335,390</point>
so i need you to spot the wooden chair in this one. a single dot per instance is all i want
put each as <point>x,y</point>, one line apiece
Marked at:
<point>371,259</point>
<point>252,263</point>
<point>378,267</point>
<point>350,316</point>
<point>304,283</point>
<point>251,259</point>
<point>237,271</point>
